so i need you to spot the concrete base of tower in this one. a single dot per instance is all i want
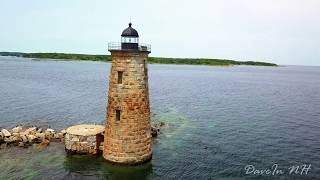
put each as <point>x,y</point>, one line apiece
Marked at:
<point>129,161</point>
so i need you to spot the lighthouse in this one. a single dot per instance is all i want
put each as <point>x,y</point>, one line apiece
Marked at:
<point>127,138</point>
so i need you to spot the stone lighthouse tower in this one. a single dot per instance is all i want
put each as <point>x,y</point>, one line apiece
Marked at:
<point>127,137</point>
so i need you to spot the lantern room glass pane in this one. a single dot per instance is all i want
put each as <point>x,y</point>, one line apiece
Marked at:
<point>129,40</point>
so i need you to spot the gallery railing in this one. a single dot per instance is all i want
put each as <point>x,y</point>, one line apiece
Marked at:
<point>117,46</point>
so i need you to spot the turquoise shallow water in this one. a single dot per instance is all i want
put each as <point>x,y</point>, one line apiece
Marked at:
<point>219,119</point>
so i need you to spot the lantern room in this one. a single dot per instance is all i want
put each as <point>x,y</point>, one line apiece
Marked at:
<point>130,38</point>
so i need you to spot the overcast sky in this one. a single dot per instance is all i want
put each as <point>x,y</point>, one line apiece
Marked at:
<point>280,31</point>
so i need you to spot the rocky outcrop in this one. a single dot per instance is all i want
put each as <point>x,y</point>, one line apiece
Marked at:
<point>82,144</point>
<point>24,137</point>
<point>155,128</point>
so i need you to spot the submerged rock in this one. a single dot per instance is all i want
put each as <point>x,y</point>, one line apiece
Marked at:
<point>154,132</point>
<point>21,144</point>
<point>44,144</point>
<point>155,128</point>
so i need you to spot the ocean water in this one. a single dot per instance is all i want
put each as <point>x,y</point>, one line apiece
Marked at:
<point>219,120</point>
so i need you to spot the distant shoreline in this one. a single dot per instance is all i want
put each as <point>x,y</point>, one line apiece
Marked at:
<point>151,60</point>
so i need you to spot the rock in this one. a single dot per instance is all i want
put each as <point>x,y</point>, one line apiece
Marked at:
<point>43,144</point>
<point>17,129</point>
<point>56,136</point>
<point>15,134</point>
<point>1,137</point>
<point>63,131</point>
<point>14,139</point>
<point>59,135</point>
<point>49,133</point>
<point>5,133</point>
<point>162,123</point>
<point>91,138</point>
<point>40,136</point>
<point>50,130</point>
<point>31,130</point>
<point>31,138</point>
<point>154,132</point>
<point>9,139</point>
<point>21,144</point>
<point>24,138</point>
<point>39,130</point>
<point>75,139</point>
<point>48,136</point>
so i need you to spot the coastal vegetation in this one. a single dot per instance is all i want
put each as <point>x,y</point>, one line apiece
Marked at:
<point>157,60</point>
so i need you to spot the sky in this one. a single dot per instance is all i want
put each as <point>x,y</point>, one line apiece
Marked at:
<point>285,32</point>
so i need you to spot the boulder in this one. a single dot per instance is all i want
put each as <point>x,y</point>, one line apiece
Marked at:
<point>15,134</point>
<point>9,139</point>
<point>50,130</point>
<point>61,135</point>
<point>21,144</point>
<point>56,136</point>
<point>5,133</point>
<point>49,133</point>
<point>15,138</point>
<point>75,139</point>
<point>31,130</point>
<point>40,136</point>
<point>154,132</point>
<point>31,138</point>
<point>17,129</point>
<point>24,138</point>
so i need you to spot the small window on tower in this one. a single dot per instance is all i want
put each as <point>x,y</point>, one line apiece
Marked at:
<point>118,114</point>
<point>120,73</point>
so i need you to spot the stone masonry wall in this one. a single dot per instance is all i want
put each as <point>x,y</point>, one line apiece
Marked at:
<point>128,140</point>
<point>81,144</point>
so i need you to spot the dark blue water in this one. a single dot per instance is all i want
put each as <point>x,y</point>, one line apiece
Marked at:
<point>219,119</point>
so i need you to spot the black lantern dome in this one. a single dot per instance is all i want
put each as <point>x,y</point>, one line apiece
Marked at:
<point>130,32</point>
<point>130,38</point>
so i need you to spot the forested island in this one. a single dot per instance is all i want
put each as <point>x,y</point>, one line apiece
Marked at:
<point>158,60</point>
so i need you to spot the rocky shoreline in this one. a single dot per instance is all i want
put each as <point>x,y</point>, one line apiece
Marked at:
<point>41,138</point>
<point>28,136</point>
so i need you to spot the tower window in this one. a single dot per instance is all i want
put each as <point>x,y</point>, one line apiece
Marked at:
<point>118,114</point>
<point>120,74</point>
